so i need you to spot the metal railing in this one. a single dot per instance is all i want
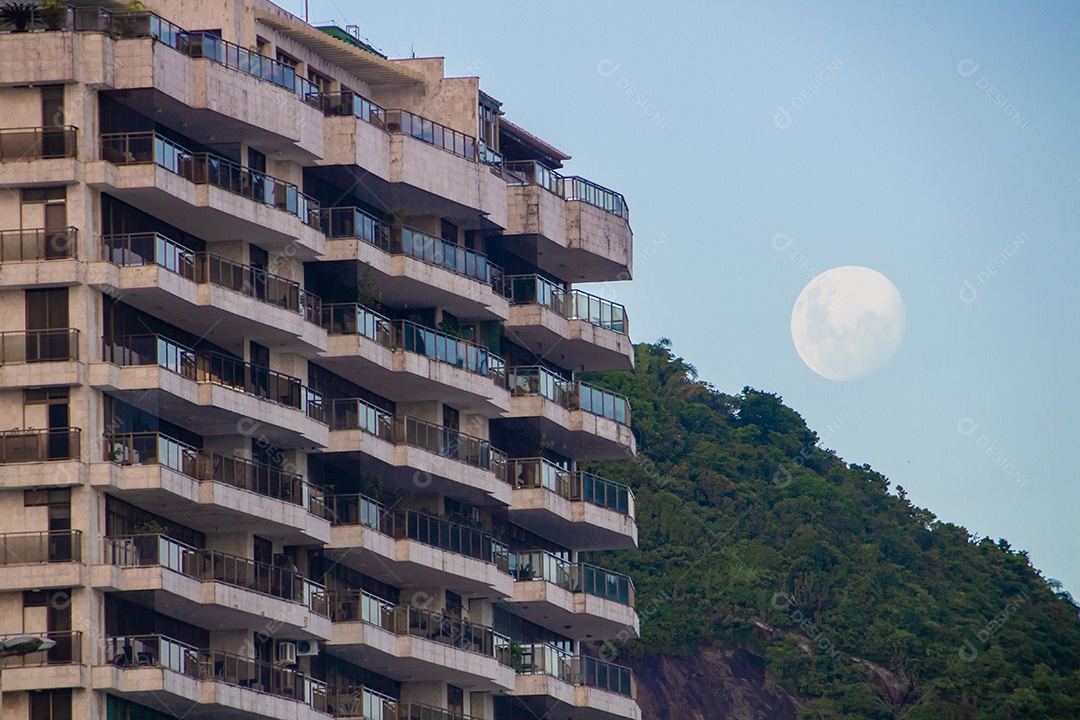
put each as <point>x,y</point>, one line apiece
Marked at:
<point>357,414</point>
<point>66,651</point>
<point>355,509</point>
<point>352,222</point>
<point>356,319</point>
<point>544,659</point>
<point>578,188</point>
<point>216,566</point>
<point>535,380</point>
<point>152,651</point>
<point>530,172</point>
<point>139,148</point>
<point>35,346</point>
<point>39,143</point>
<point>432,133</point>
<point>148,448</point>
<point>576,577</point>
<point>51,546</point>
<point>135,651</point>
<point>32,445</point>
<point>210,46</point>
<point>355,105</point>
<point>405,240</point>
<point>571,304</point>
<point>362,606</point>
<point>452,631</point>
<point>141,249</point>
<point>213,367</point>
<point>449,443</point>
<point>357,701</point>
<point>445,348</point>
<point>572,485</point>
<point>39,244</point>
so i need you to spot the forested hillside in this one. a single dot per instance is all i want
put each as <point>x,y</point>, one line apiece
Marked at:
<point>757,543</point>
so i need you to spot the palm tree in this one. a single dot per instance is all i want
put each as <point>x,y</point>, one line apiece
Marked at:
<point>18,14</point>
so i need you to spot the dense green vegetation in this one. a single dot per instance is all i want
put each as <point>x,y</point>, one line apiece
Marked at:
<point>863,605</point>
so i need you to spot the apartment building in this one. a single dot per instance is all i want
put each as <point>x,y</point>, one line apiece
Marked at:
<point>291,417</point>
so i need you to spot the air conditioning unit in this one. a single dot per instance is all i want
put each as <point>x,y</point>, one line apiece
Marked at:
<point>307,647</point>
<point>286,654</point>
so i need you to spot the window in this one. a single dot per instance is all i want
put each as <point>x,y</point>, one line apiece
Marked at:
<point>50,705</point>
<point>287,60</point>
<point>320,81</point>
<point>455,700</point>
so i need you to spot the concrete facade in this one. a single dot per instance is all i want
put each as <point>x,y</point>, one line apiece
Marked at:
<point>264,437</point>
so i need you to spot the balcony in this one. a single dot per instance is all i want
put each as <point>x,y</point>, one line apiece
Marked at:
<point>579,600</point>
<point>62,666</point>
<point>181,680</point>
<point>204,292</point>
<point>35,257</point>
<point>577,419</point>
<point>551,680</point>
<point>356,134</point>
<point>46,155</point>
<point>407,641</point>
<point>412,549</point>
<point>397,448</point>
<point>41,560</point>
<point>348,700</point>
<point>207,195</point>
<point>220,393</point>
<point>577,509</point>
<point>207,490</point>
<point>413,363</point>
<point>226,592</point>
<point>412,268</point>
<point>573,228</point>
<point>40,358</point>
<point>32,458</point>
<point>444,171</point>
<point>590,331</point>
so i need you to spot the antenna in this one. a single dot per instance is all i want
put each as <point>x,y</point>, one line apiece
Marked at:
<point>307,14</point>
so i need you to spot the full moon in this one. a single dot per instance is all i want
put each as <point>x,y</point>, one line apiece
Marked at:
<point>847,322</point>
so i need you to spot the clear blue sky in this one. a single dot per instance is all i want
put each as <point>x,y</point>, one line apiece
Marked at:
<point>923,140</point>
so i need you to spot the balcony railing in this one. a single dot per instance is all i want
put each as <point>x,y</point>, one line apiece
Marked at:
<point>212,367</point>
<point>149,448</point>
<point>432,133</point>
<point>30,445</point>
<point>575,577</point>
<point>544,659</point>
<point>215,666</point>
<point>53,546</point>
<point>66,651</point>
<point>449,443</point>
<point>452,631</point>
<point>355,319</point>
<point>401,524</point>
<point>355,105</point>
<point>348,700</point>
<point>141,249</point>
<point>36,346</point>
<point>216,566</point>
<point>572,485</point>
<point>442,253</point>
<point>534,380</point>
<point>352,222</point>
<point>446,348</point>
<point>39,143</point>
<point>356,414</point>
<point>530,172</point>
<point>362,606</point>
<point>144,148</point>
<point>33,245</point>
<point>572,304</point>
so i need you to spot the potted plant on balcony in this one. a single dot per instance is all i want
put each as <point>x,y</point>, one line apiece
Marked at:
<point>18,14</point>
<point>53,14</point>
